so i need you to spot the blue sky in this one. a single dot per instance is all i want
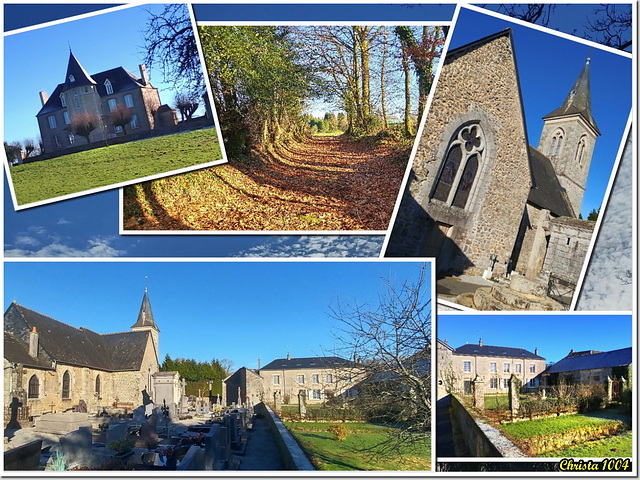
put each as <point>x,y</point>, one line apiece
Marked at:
<point>548,66</point>
<point>234,310</point>
<point>553,334</point>
<point>99,43</point>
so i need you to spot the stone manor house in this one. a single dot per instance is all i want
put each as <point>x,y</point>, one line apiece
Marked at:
<point>50,366</point>
<point>98,95</point>
<point>479,196</point>
<point>493,365</point>
<point>321,378</point>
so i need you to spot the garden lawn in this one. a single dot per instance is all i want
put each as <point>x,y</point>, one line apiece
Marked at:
<point>327,453</point>
<point>491,402</point>
<point>554,425</point>
<point>104,166</point>
<point>616,446</point>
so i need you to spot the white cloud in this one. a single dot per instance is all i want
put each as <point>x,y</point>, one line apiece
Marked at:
<point>96,247</point>
<point>605,285</point>
<point>63,221</point>
<point>317,246</point>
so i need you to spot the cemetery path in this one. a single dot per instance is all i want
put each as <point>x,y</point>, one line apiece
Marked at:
<point>262,452</point>
<point>323,183</point>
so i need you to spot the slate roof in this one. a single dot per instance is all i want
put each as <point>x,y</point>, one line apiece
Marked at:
<point>80,75</point>
<point>495,351</point>
<point>145,317</point>
<point>546,191</point>
<point>121,80</point>
<point>578,101</point>
<point>614,358</point>
<point>16,352</point>
<point>63,343</point>
<point>307,362</point>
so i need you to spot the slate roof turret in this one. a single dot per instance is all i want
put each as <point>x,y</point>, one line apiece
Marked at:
<point>77,76</point>
<point>145,317</point>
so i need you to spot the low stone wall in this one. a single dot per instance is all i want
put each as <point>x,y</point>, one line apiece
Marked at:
<point>480,438</point>
<point>292,455</point>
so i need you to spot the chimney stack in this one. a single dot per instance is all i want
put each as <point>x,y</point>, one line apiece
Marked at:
<point>536,350</point>
<point>258,363</point>
<point>33,343</point>
<point>288,356</point>
<point>480,342</point>
<point>43,98</point>
<point>143,73</point>
<point>446,342</point>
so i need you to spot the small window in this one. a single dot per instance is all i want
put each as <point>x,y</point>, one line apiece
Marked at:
<point>72,78</point>
<point>276,379</point>
<point>65,115</point>
<point>86,89</point>
<point>505,383</point>
<point>63,101</point>
<point>518,368</point>
<point>34,387</point>
<point>118,129</point>
<point>113,103</point>
<point>507,368</point>
<point>556,143</point>
<point>316,394</point>
<point>493,367</point>
<point>66,381</point>
<point>328,378</point>
<point>128,100</point>
<point>301,379</point>
<point>108,86</point>
<point>532,368</point>
<point>315,378</point>
<point>72,138</point>
<point>98,386</point>
<point>493,383</point>
<point>134,121</point>
<point>52,122</point>
<point>77,102</point>
<point>467,366</point>
<point>582,143</point>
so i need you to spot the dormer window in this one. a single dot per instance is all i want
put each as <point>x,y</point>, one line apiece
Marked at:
<point>72,78</point>
<point>108,86</point>
<point>63,100</point>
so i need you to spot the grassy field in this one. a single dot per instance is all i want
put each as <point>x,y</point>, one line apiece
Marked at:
<point>105,166</point>
<point>554,425</point>
<point>327,453</point>
<point>616,446</point>
<point>491,402</point>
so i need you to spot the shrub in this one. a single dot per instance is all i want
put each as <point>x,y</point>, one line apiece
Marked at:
<point>123,445</point>
<point>339,431</point>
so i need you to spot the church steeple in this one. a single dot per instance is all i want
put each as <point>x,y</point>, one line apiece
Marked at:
<point>145,317</point>
<point>77,76</point>
<point>578,100</point>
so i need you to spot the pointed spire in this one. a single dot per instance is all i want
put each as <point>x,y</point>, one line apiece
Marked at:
<point>145,317</point>
<point>77,76</point>
<point>579,100</point>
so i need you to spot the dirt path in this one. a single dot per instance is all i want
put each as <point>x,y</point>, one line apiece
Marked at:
<point>325,183</point>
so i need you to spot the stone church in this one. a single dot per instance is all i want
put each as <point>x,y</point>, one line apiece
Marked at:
<point>481,199</point>
<point>50,366</point>
<point>98,95</point>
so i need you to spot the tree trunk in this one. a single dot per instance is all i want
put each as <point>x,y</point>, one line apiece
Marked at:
<point>384,58</point>
<point>408,130</point>
<point>364,69</point>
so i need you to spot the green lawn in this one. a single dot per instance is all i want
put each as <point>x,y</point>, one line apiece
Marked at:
<point>616,446</point>
<point>327,453</point>
<point>554,425</point>
<point>491,402</point>
<point>105,166</point>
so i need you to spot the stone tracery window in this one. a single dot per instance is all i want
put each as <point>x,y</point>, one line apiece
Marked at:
<point>460,166</point>
<point>556,143</point>
<point>582,144</point>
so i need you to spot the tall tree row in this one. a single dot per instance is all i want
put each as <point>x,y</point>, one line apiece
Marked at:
<point>197,374</point>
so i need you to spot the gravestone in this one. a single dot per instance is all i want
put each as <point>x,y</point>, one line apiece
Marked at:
<point>116,432</point>
<point>302,403</point>
<point>139,414</point>
<point>184,404</point>
<point>61,423</point>
<point>277,400</point>
<point>14,406</point>
<point>225,443</point>
<point>478,392</point>
<point>514,390</point>
<point>24,457</point>
<point>81,407</point>
<point>214,449</point>
<point>76,446</point>
<point>148,432</point>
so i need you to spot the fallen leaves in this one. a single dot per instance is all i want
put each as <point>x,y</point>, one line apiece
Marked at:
<point>324,183</point>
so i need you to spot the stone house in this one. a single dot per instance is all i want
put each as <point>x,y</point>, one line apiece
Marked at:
<point>479,197</point>
<point>494,365</point>
<point>50,366</point>
<point>98,95</point>
<point>321,378</point>
<point>591,367</point>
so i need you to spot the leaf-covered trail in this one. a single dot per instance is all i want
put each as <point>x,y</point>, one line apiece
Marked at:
<point>325,183</point>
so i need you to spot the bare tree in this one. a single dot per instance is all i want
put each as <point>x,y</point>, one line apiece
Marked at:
<point>611,26</point>
<point>29,147</point>
<point>187,104</point>
<point>391,345</point>
<point>121,117</point>
<point>83,124</point>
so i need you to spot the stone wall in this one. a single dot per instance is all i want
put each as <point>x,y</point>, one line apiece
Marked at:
<point>476,86</point>
<point>534,243</point>
<point>446,373</point>
<point>568,246</point>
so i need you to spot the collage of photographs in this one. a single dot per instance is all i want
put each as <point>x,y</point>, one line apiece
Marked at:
<point>319,239</point>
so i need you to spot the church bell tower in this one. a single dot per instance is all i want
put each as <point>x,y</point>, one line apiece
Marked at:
<point>568,137</point>
<point>146,321</point>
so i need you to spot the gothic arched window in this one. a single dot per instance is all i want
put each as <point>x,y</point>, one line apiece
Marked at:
<point>556,143</point>
<point>582,144</point>
<point>66,382</point>
<point>34,387</point>
<point>460,167</point>
<point>98,385</point>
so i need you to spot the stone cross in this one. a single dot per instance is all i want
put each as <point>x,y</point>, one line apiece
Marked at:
<point>302,403</point>
<point>14,405</point>
<point>478,392</point>
<point>514,390</point>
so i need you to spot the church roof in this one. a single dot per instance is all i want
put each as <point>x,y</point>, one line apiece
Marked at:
<point>614,358</point>
<point>121,80</point>
<point>145,317</point>
<point>63,343</point>
<point>546,191</point>
<point>578,101</point>
<point>495,351</point>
